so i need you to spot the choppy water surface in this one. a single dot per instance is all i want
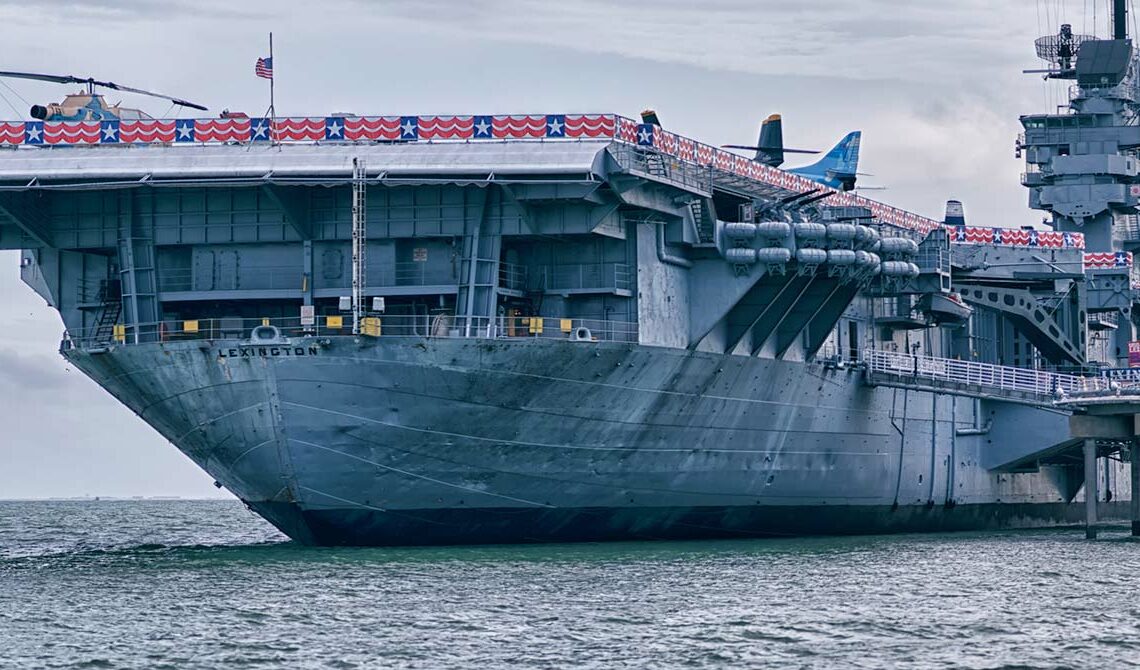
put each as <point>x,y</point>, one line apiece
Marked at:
<point>207,584</point>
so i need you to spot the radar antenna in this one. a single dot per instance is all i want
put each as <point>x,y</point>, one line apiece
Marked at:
<point>1060,51</point>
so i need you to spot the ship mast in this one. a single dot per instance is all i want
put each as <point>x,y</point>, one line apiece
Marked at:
<point>1081,161</point>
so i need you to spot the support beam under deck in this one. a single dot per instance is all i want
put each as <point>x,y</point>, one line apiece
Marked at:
<point>1090,488</point>
<point>294,204</point>
<point>28,211</point>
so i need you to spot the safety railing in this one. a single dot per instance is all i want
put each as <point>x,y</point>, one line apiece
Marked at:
<point>440,325</point>
<point>587,276</point>
<point>512,276</point>
<point>98,291</point>
<point>1120,91</point>
<point>652,163</point>
<point>412,274</point>
<point>253,278</point>
<point>999,380</point>
<point>290,277</point>
<point>933,258</point>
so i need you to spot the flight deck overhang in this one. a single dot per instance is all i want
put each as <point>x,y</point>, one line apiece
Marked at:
<point>36,169</point>
<point>471,146</point>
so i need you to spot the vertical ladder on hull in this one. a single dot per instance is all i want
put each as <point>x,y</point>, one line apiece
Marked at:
<point>359,240</point>
<point>136,271</point>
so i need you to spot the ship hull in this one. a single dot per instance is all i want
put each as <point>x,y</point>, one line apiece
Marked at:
<point>398,441</point>
<point>505,525</point>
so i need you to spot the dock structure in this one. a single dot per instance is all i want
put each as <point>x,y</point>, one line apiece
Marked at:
<point>1104,419</point>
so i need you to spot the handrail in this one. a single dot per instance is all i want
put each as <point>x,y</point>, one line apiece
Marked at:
<point>998,379</point>
<point>441,325</point>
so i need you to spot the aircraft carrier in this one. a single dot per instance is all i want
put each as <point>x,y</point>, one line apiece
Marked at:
<point>392,330</point>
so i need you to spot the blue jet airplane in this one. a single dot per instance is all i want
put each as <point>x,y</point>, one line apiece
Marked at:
<point>838,169</point>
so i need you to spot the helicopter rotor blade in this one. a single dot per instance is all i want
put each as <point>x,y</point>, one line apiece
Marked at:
<point>178,101</point>
<point>54,78</point>
<point>71,79</point>
<point>755,148</point>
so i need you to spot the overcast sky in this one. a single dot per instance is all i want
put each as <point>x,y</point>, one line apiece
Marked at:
<point>935,86</point>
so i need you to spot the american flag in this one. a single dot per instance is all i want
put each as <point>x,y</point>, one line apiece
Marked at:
<point>264,68</point>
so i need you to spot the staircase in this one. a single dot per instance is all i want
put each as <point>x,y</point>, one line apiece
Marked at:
<point>706,225</point>
<point>1128,228</point>
<point>655,164</point>
<point>110,298</point>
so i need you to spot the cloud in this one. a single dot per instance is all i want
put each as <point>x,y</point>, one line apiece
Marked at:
<point>96,11</point>
<point>32,373</point>
<point>826,38</point>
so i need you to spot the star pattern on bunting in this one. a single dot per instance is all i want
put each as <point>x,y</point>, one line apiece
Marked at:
<point>409,127</point>
<point>110,132</point>
<point>184,130</point>
<point>483,126</point>
<point>556,125</point>
<point>34,132</point>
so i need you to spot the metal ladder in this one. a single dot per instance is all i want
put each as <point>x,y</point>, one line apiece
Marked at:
<point>655,164</point>
<point>359,240</point>
<point>110,297</point>
<point>139,292</point>
<point>706,230</point>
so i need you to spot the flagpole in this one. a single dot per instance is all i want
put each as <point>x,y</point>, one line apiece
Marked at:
<point>272,76</point>
<point>272,109</point>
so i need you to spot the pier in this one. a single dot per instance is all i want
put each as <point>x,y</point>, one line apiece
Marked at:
<point>1104,419</point>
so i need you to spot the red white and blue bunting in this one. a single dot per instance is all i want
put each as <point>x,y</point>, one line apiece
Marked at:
<point>1016,237</point>
<point>537,127</point>
<point>1108,260</point>
<point>432,128</point>
<point>309,129</point>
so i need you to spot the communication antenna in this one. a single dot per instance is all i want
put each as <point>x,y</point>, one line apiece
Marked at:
<point>359,240</point>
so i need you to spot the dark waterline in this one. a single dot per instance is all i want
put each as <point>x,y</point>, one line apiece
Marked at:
<point>180,584</point>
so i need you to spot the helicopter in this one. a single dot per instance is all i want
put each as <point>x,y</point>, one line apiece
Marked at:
<point>89,105</point>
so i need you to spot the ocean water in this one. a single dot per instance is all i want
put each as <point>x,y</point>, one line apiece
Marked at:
<point>181,584</point>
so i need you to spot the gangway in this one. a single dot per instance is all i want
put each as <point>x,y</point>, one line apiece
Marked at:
<point>979,380</point>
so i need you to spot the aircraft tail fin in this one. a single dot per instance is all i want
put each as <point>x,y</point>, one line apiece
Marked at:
<point>841,163</point>
<point>770,144</point>
<point>650,116</point>
<point>955,214</point>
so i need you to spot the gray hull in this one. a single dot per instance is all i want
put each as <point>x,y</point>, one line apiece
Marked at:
<point>414,441</point>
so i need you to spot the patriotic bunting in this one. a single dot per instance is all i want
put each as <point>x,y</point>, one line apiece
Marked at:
<point>1108,260</point>
<point>1015,237</point>
<point>490,128</point>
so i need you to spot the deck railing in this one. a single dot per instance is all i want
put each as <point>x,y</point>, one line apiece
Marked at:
<point>412,325</point>
<point>587,276</point>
